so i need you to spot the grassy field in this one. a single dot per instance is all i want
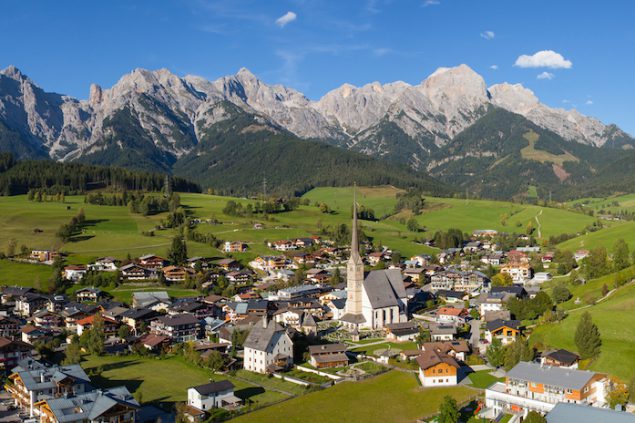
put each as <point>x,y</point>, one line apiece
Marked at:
<point>613,203</point>
<point>24,274</point>
<point>392,397</point>
<point>118,232</point>
<point>603,238</point>
<point>166,380</point>
<point>616,322</point>
<point>483,379</point>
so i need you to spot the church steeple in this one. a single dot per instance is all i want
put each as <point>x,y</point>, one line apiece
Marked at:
<point>354,276</point>
<point>354,240</point>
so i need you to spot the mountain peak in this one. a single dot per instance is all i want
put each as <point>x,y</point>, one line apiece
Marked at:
<point>13,73</point>
<point>245,73</point>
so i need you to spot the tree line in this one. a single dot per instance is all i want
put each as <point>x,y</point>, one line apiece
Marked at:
<point>18,177</point>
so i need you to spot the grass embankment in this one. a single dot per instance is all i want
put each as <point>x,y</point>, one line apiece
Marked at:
<point>392,397</point>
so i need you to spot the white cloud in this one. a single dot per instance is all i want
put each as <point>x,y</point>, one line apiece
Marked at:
<point>382,51</point>
<point>546,75</point>
<point>589,102</point>
<point>543,59</point>
<point>494,67</point>
<point>488,35</point>
<point>285,19</point>
<point>427,3</point>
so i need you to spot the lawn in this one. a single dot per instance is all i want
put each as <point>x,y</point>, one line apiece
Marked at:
<point>616,321</point>
<point>392,397</point>
<point>166,380</point>
<point>483,379</point>
<point>24,274</point>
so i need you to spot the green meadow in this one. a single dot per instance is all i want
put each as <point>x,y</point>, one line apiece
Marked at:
<point>391,397</point>
<point>115,231</point>
<point>616,321</point>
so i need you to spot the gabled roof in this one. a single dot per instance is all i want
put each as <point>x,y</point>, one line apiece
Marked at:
<point>563,356</point>
<point>499,323</point>
<point>384,288</point>
<point>178,319</point>
<point>264,338</point>
<point>430,358</point>
<point>327,348</point>
<point>214,387</point>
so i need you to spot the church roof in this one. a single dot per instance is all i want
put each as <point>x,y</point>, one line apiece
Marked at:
<point>384,288</point>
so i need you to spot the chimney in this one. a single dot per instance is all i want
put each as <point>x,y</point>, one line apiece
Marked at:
<point>42,378</point>
<point>264,321</point>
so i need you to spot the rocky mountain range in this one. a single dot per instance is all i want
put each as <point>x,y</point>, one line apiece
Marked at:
<point>152,119</point>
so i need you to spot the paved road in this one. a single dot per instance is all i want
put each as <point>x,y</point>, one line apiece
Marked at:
<point>475,333</point>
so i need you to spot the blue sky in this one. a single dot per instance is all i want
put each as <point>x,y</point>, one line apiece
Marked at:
<point>317,45</point>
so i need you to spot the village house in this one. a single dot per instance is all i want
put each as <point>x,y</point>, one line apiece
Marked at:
<point>229,265</point>
<point>104,264</point>
<point>152,262</point>
<point>235,247</point>
<point>580,255</point>
<point>328,355</point>
<point>442,332</point>
<point>564,412</point>
<point>268,348</point>
<point>507,331</point>
<point>318,276</point>
<point>457,316</point>
<point>212,395</point>
<point>177,273</point>
<point>43,256</point>
<point>74,272</point>
<point>136,317</point>
<point>32,334</point>
<point>534,387</point>
<point>560,358</point>
<point>402,331</point>
<point>298,292</point>
<point>11,352</point>
<point>154,343</point>
<point>517,266</point>
<point>437,368</point>
<point>29,303</point>
<point>135,272</point>
<point>89,295</point>
<point>32,382</point>
<point>46,319</point>
<point>269,263</point>
<point>455,349</point>
<point>375,257</point>
<point>9,327</point>
<point>283,245</point>
<point>109,405</point>
<point>155,300</point>
<point>110,325</point>
<point>485,233</point>
<point>179,328</point>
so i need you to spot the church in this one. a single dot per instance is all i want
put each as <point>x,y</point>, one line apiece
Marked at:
<point>373,299</point>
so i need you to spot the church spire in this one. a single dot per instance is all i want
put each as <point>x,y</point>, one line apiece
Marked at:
<point>354,240</point>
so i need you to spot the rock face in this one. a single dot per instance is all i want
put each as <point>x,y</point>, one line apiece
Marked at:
<point>169,113</point>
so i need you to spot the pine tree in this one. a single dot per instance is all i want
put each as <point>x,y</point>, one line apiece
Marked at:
<point>448,410</point>
<point>587,337</point>
<point>178,251</point>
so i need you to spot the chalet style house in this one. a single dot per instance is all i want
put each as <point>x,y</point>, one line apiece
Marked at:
<point>179,328</point>
<point>110,405</point>
<point>328,355</point>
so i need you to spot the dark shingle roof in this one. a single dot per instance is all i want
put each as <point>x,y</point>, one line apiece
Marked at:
<point>213,387</point>
<point>498,323</point>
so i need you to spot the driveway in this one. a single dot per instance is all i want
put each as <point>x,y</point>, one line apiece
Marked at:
<point>475,333</point>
